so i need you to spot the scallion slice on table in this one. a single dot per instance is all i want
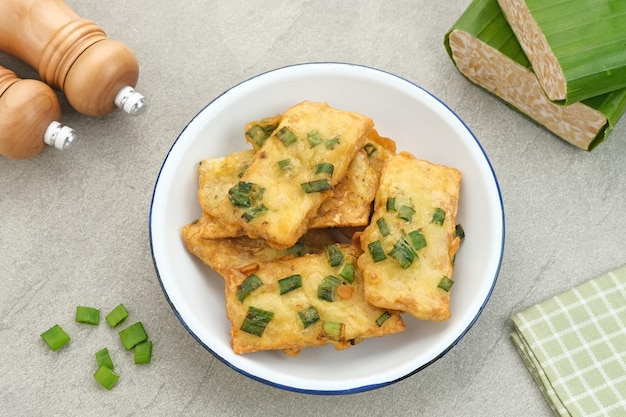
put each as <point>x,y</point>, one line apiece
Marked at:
<point>133,335</point>
<point>87,315</point>
<point>116,316</point>
<point>55,337</point>
<point>576,47</point>
<point>106,377</point>
<point>103,358</point>
<point>143,352</point>
<point>484,49</point>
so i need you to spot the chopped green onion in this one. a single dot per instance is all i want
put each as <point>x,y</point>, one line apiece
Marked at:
<point>240,194</point>
<point>406,213</point>
<point>284,164</point>
<point>254,212</point>
<point>55,337</point>
<point>335,255</point>
<point>439,216</point>
<point>383,227</point>
<point>460,233</point>
<point>242,171</point>
<point>256,321</point>
<point>327,288</point>
<point>290,283</point>
<point>248,285</point>
<point>309,316</point>
<point>325,168</point>
<point>330,144</point>
<point>133,335</point>
<point>106,377</point>
<point>87,315</point>
<point>299,249</point>
<point>347,273</point>
<point>104,359</point>
<point>258,134</point>
<point>333,330</point>
<point>418,240</point>
<point>143,352</point>
<point>370,148</point>
<point>316,186</point>
<point>314,138</point>
<point>403,253</point>
<point>116,316</point>
<point>376,251</point>
<point>286,136</point>
<point>445,284</point>
<point>391,204</point>
<point>383,318</point>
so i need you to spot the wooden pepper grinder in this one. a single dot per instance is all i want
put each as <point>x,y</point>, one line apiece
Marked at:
<point>71,54</point>
<point>29,110</point>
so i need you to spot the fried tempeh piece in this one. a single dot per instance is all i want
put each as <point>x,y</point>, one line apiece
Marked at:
<point>244,254</point>
<point>296,169</point>
<point>303,302</point>
<point>409,247</point>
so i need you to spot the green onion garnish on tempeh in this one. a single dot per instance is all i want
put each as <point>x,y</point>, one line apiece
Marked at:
<point>256,321</point>
<point>376,251</point>
<point>248,285</point>
<point>289,283</point>
<point>383,318</point>
<point>406,213</point>
<point>335,255</point>
<point>331,143</point>
<point>324,168</point>
<point>316,186</point>
<point>439,216</point>
<point>286,136</point>
<point>254,212</point>
<point>445,284</point>
<point>314,138</point>
<point>333,330</point>
<point>403,253</point>
<point>418,240</point>
<point>391,204</point>
<point>327,289</point>
<point>245,194</point>
<point>284,164</point>
<point>383,227</point>
<point>347,273</point>
<point>309,316</point>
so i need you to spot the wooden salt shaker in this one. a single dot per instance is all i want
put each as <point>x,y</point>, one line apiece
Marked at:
<point>71,54</point>
<point>29,114</point>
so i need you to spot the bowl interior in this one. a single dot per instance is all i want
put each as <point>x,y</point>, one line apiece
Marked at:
<point>420,124</point>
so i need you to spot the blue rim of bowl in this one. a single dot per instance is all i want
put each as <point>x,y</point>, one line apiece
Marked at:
<point>361,388</point>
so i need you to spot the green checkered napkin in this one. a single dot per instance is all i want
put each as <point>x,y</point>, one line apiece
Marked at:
<point>574,345</point>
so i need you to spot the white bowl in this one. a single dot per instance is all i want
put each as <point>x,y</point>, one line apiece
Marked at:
<point>401,110</point>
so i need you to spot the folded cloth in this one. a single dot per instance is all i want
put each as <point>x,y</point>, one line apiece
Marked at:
<point>574,345</point>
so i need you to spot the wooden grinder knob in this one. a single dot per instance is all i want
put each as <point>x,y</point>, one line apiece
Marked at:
<point>29,111</point>
<point>71,54</point>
